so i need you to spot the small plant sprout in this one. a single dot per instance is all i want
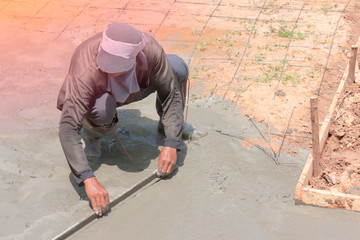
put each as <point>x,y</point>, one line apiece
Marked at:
<point>203,46</point>
<point>260,58</point>
<point>195,32</point>
<point>293,77</point>
<point>229,44</point>
<point>283,32</point>
<point>299,36</point>
<point>229,53</point>
<point>271,73</point>
<point>326,7</point>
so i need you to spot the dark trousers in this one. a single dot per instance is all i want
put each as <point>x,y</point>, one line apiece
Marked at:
<point>181,73</point>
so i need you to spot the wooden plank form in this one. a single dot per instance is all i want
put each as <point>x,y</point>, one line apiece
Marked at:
<point>352,63</point>
<point>304,194</point>
<point>315,135</point>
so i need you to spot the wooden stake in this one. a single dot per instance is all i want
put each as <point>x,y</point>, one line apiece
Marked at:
<point>315,135</point>
<point>352,63</point>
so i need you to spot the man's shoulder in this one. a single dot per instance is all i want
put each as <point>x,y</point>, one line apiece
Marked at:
<point>153,50</point>
<point>84,57</point>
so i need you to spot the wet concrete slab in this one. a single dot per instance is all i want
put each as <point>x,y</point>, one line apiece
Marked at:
<point>223,191</point>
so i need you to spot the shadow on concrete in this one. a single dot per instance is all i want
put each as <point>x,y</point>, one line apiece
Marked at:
<point>141,139</point>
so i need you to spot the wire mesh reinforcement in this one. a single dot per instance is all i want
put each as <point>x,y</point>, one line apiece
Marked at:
<point>332,42</point>
<point>287,50</point>
<point>167,13</point>
<point>246,47</point>
<point>272,7</point>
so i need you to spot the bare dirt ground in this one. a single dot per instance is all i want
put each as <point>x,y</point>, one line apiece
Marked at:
<point>340,159</point>
<point>270,67</point>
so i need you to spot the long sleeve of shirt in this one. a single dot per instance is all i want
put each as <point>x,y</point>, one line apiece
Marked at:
<point>81,86</point>
<point>74,110</point>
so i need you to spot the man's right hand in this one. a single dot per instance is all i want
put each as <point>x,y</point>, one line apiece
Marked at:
<point>97,194</point>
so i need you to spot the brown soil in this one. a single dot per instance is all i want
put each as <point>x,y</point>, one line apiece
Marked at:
<point>340,159</point>
<point>275,145</point>
<point>251,90</point>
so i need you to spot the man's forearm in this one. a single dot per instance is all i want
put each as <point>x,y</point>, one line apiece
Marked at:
<point>173,119</point>
<point>71,144</point>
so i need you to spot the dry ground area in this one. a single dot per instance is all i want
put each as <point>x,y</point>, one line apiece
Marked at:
<point>265,57</point>
<point>340,159</point>
<point>271,59</point>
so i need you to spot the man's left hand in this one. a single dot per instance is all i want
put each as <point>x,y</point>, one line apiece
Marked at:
<point>167,161</point>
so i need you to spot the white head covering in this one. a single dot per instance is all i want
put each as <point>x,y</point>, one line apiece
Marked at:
<point>119,47</point>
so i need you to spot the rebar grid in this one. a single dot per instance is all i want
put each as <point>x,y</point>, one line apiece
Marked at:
<point>253,19</point>
<point>287,49</point>
<point>201,32</point>
<point>274,8</point>
<point>286,130</point>
<point>246,46</point>
<point>241,18</point>
<point>167,13</point>
<point>297,9</point>
<point>250,59</point>
<point>200,3</point>
<point>267,32</point>
<point>332,42</point>
<point>82,10</point>
<point>285,60</point>
<point>321,47</point>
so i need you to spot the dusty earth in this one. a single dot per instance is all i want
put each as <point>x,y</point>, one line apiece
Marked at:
<point>226,187</point>
<point>257,80</point>
<point>340,159</point>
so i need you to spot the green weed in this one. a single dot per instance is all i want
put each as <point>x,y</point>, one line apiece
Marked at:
<point>229,43</point>
<point>205,68</point>
<point>195,32</point>
<point>245,88</point>
<point>309,56</point>
<point>260,58</point>
<point>293,77</point>
<point>229,53</point>
<point>194,72</point>
<point>252,3</point>
<point>254,30</point>
<point>326,7</point>
<point>284,33</point>
<point>271,3</point>
<point>203,46</point>
<point>299,36</point>
<point>194,97</point>
<point>271,73</point>
<point>227,39</point>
